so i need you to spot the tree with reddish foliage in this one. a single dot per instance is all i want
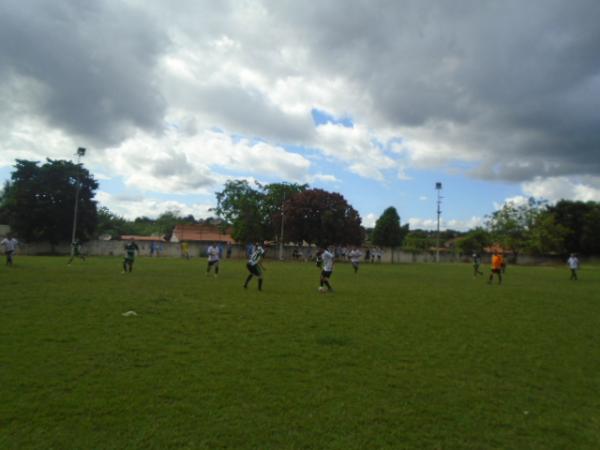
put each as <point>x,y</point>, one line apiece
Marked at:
<point>320,217</point>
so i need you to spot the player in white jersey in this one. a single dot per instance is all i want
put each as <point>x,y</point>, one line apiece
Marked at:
<point>327,268</point>
<point>573,263</point>
<point>255,267</point>
<point>355,256</point>
<point>10,246</point>
<point>213,259</point>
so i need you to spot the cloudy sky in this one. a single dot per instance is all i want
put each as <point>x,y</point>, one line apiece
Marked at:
<point>377,100</point>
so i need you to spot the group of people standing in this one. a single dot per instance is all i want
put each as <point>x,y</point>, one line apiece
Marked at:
<point>325,260</point>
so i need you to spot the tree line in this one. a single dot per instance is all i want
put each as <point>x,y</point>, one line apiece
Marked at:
<point>38,203</point>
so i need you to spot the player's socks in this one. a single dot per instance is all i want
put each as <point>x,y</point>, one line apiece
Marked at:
<point>247,281</point>
<point>260,284</point>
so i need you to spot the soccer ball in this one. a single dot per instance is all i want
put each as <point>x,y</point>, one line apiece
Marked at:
<point>322,289</point>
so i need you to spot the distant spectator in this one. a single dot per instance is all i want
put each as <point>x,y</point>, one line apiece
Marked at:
<point>185,250</point>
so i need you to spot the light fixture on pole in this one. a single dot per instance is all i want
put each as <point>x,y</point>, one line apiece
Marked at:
<point>80,154</point>
<point>438,188</point>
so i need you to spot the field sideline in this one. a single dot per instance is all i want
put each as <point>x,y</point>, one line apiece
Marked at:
<point>400,356</point>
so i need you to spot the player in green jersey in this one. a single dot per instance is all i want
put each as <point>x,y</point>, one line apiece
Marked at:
<point>130,249</point>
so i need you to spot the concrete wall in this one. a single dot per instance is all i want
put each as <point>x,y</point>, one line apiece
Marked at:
<point>198,250</point>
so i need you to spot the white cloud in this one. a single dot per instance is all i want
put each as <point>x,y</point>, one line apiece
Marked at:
<point>322,177</point>
<point>357,147</point>
<point>369,220</point>
<point>554,189</point>
<point>453,224</point>
<point>131,207</point>
<point>517,200</point>
<point>180,163</point>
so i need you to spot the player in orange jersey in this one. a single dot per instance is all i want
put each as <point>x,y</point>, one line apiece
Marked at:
<point>497,263</point>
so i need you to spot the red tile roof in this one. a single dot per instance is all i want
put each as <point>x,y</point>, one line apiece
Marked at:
<point>205,233</point>
<point>129,237</point>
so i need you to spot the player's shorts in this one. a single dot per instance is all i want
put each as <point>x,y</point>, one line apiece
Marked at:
<point>355,263</point>
<point>326,273</point>
<point>254,269</point>
<point>212,263</point>
<point>496,270</point>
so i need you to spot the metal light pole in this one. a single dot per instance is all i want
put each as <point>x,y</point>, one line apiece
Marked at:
<point>80,153</point>
<point>438,188</point>
<point>281,235</point>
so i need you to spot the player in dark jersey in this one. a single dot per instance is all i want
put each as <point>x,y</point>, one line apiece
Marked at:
<point>255,267</point>
<point>130,250</point>
<point>77,252</point>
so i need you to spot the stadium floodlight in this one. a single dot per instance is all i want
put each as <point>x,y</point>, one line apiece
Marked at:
<point>80,153</point>
<point>438,188</point>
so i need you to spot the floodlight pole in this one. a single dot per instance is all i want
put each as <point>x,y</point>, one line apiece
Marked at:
<point>281,235</point>
<point>80,153</point>
<point>438,188</point>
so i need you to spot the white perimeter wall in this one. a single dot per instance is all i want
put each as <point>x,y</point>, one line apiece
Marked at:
<point>198,250</point>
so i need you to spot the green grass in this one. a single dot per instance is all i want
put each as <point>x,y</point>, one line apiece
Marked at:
<point>404,356</point>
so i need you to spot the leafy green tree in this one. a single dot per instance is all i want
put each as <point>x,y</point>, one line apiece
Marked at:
<point>39,201</point>
<point>387,231</point>
<point>418,241</point>
<point>241,205</point>
<point>590,233</point>
<point>581,222</point>
<point>474,241</point>
<point>321,217</point>
<point>545,235</point>
<point>510,226</point>
<point>274,196</point>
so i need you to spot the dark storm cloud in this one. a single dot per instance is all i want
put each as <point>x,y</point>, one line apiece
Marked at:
<point>94,60</point>
<point>525,74</point>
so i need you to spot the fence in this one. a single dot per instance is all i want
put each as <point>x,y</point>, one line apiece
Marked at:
<point>198,250</point>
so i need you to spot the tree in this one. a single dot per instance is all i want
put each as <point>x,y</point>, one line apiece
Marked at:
<point>510,226</point>
<point>39,201</point>
<point>274,196</point>
<point>418,241</point>
<point>546,236</point>
<point>474,241</point>
<point>240,205</point>
<point>387,231</point>
<point>580,219</point>
<point>321,217</point>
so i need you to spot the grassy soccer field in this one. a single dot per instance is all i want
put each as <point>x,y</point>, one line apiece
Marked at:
<point>404,356</point>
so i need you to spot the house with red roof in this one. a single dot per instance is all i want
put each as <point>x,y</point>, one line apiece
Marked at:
<point>201,233</point>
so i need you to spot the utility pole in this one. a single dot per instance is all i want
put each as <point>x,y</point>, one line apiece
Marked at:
<point>80,153</point>
<point>438,188</point>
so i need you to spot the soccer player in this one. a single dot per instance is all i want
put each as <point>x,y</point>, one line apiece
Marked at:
<point>497,263</point>
<point>130,250</point>
<point>573,263</point>
<point>10,246</point>
<point>213,259</point>
<point>255,266</point>
<point>76,251</point>
<point>355,256</point>
<point>327,258</point>
<point>476,264</point>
